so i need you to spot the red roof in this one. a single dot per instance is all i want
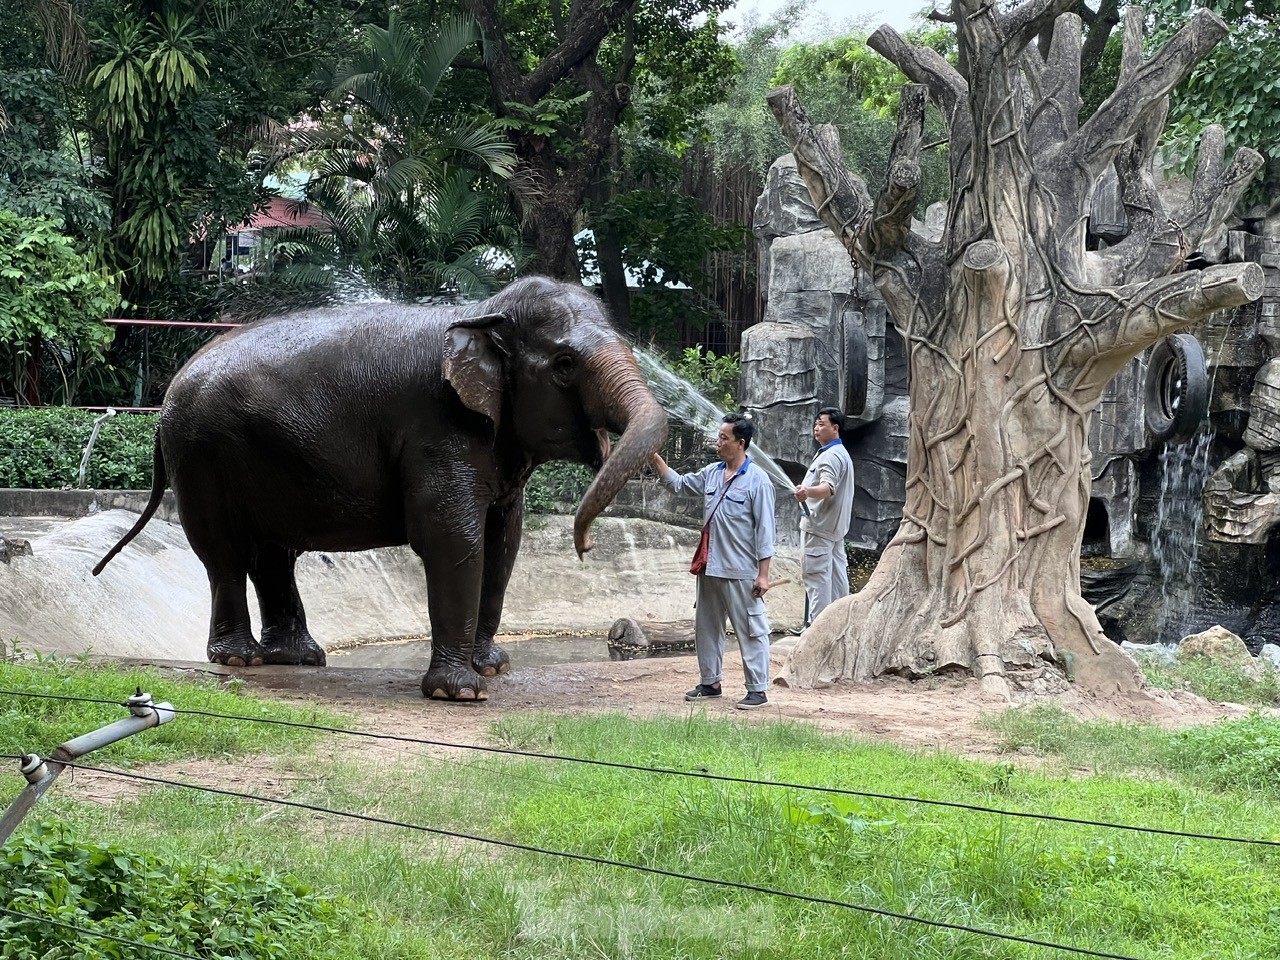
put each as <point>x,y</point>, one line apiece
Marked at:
<point>283,213</point>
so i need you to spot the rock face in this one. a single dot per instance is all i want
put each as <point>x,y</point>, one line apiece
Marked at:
<point>1216,643</point>
<point>825,341</point>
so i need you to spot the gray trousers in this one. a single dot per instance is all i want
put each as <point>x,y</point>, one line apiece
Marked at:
<point>824,567</point>
<point>720,600</point>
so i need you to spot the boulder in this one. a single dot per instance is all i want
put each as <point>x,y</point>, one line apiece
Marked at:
<point>1217,643</point>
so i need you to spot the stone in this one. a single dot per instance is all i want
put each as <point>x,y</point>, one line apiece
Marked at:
<point>1237,507</point>
<point>779,364</point>
<point>13,547</point>
<point>1271,654</point>
<point>1263,432</point>
<point>1162,653</point>
<point>1217,643</point>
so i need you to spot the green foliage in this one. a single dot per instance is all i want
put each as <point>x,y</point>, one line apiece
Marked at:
<point>556,486</point>
<point>715,377</point>
<point>1227,87</point>
<point>52,298</point>
<point>192,906</point>
<point>666,242</point>
<point>1217,680</point>
<point>840,81</point>
<point>42,172</point>
<point>30,724</point>
<point>413,896</point>
<point>412,195</point>
<point>41,448</point>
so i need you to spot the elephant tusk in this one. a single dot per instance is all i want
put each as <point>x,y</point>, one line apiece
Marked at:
<point>606,445</point>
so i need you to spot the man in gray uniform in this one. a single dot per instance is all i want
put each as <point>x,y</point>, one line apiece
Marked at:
<point>827,495</point>
<point>738,519</point>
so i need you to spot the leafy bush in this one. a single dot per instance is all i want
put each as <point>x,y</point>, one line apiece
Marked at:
<point>715,377</point>
<point>554,484</point>
<point>41,448</point>
<point>52,298</point>
<point>193,907</point>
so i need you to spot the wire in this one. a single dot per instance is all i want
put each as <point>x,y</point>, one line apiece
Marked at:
<point>695,774</point>
<point>94,933</point>
<point>772,832</point>
<point>603,861</point>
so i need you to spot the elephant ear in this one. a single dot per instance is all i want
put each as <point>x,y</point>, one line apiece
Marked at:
<point>473,361</point>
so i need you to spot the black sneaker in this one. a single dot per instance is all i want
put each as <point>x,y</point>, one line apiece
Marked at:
<point>703,691</point>
<point>753,699</point>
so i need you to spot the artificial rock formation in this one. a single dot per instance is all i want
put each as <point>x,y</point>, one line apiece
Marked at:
<point>1014,330</point>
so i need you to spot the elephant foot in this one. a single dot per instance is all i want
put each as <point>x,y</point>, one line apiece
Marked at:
<point>454,683</point>
<point>493,662</point>
<point>235,651</point>
<point>295,649</point>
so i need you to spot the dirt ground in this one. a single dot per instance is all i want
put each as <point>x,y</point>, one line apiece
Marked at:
<point>933,714</point>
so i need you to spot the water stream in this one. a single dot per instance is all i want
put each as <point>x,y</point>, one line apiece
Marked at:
<point>1184,469</point>
<point>683,402</point>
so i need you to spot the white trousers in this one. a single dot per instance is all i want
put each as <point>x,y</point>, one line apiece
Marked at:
<point>824,567</point>
<point>720,600</point>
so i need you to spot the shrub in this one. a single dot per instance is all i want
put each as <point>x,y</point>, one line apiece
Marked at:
<point>41,448</point>
<point>52,298</point>
<point>196,908</point>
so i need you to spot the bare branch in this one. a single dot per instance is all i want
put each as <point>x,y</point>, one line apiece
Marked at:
<point>1157,308</point>
<point>947,87</point>
<point>1217,188</point>
<point>892,221</point>
<point>840,198</point>
<point>1056,85</point>
<point>1129,108</point>
<point>1024,23</point>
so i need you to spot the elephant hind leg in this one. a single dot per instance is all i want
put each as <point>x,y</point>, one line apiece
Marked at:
<point>285,638</point>
<point>231,639</point>
<point>503,527</point>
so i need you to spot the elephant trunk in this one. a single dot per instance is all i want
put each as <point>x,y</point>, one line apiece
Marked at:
<point>616,396</point>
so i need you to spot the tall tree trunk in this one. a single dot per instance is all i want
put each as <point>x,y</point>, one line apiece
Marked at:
<point>1013,330</point>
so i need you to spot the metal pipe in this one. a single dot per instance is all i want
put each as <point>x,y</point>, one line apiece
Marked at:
<point>40,774</point>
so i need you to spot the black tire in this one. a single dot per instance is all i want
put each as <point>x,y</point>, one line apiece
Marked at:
<point>855,369</point>
<point>1177,392</point>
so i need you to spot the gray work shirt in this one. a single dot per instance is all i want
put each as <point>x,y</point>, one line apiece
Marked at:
<point>829,519</point>
<point>742,530</point>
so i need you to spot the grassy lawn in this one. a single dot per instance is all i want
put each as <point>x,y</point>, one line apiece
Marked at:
<point>383,892</point>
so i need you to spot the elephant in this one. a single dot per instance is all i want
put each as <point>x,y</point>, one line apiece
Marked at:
<point>375,425</point>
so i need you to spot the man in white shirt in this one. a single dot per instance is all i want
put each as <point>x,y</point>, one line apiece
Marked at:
<point>826,495</point>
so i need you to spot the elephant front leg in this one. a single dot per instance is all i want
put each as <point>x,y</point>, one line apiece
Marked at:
<point>502,531</point>
<point>454,565</point>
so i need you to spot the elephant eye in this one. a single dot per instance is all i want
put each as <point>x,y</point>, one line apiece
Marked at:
<point>564,366</point>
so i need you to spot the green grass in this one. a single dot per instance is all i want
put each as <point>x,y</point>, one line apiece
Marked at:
<point>1239,756</point>
<point>414,895</point>
<point>34,725</point>
<point>1224,682</point>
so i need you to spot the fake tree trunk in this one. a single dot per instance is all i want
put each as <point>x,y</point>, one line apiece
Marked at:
<point>1013,329</point>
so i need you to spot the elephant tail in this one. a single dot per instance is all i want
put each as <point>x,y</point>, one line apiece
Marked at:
<point>159,480</point>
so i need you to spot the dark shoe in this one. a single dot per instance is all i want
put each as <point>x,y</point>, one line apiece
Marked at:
<point>753,699</point>
<point>703,691</point>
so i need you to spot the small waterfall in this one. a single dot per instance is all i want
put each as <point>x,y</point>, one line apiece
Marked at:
<point>1184,469</point>
<point>684,403</point>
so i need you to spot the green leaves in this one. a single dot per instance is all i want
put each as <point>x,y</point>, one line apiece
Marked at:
<point>193,907</point>
<point>41,448</point>
<point>51,294</point>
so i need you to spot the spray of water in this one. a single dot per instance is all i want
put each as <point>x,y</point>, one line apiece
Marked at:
<point>1184,469</point>
<point>683,402</point>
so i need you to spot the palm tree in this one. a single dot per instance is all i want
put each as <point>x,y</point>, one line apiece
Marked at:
<point>416,199</point>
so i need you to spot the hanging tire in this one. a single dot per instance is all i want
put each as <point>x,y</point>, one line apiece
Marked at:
<point>1177,392</point>
<point>855,369</point>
